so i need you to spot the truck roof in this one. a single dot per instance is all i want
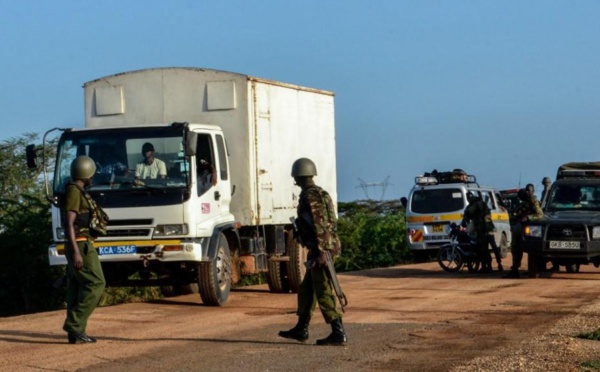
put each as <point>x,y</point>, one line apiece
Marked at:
<point>224,73</point>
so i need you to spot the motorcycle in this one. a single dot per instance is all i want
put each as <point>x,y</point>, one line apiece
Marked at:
<point>460,252</point>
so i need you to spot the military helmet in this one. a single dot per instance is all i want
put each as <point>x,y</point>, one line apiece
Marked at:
<point>304,167</point>
<point>83,168</point>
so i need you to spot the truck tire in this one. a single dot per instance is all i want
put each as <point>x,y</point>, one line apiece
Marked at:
<point>188,288</point>
<point>298,255</point>
<point>214,277</point>
<point>277,277</point>
<point>169,290</point>
<point>503,246</point>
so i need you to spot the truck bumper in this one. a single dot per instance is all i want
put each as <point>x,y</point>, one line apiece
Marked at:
<point>151,250</point>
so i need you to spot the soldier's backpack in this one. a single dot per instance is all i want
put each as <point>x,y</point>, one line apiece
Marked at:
<point>333,243</point>
<point>98,218</point>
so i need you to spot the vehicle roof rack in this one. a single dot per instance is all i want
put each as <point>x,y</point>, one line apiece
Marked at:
<point>436,178</point>
<point>579,170</point>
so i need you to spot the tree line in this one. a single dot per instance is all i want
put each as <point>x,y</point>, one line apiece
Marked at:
<point>372,235</point>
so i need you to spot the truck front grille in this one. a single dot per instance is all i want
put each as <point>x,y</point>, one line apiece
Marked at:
<point>567,232</point>
<point>128,232</point>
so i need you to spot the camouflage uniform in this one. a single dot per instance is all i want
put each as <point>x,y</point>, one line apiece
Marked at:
<point>85,286</point>
<point>317,230</point>
<point>531,209</point>
<point>478,213</point>
<point>316,218</point>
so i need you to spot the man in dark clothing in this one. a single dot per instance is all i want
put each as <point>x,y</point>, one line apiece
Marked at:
<point>316,223</point>
<point>529,210</point>
<point>477,212</point>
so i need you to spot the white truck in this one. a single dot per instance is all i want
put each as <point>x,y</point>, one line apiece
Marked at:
<point>177,232</point>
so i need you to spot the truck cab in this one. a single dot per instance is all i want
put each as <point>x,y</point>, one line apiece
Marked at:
<point>569,233</point>
<point>439,199</point>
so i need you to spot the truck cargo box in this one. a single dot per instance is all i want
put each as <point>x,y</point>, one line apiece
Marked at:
<point>267,125</point>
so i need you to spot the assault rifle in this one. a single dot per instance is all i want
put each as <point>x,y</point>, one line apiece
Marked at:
<point>329,269</point>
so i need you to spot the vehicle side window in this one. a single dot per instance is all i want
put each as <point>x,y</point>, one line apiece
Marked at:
<point>204,163</point>
<point>488,197</point>
<point>222,158</point>
<point>500,200</point>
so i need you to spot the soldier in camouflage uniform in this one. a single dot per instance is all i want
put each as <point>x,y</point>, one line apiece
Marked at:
<point>317,229</point>
<point>529,210</point>
<point>477,212</point>
<point>85,280</point>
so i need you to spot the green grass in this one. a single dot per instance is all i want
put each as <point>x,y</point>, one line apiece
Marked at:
<point>594,335</point>
<point>591,365</point>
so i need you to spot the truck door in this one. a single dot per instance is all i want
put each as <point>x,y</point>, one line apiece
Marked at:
<point>212,177</point>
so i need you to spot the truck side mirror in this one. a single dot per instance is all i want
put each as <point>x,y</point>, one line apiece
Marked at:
<point>31,155</point>
<point>191,143</point>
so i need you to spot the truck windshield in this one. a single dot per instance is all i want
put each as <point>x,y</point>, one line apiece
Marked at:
<point>575,197</point>
<point>119,154</point>
<point>437,201</point>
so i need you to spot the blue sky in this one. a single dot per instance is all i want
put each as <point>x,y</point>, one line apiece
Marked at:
<point>506,90</point>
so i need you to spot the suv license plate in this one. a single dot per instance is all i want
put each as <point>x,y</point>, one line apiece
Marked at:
<point>563,245</point>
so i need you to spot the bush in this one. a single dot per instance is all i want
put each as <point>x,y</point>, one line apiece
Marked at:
<point>372,235</point>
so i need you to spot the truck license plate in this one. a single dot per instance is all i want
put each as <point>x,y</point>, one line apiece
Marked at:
<point>438,228</point>
<point>118,249</point>
<point>563,245</point>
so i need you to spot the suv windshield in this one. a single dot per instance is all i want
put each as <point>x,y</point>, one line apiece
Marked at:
<point>437,201</point>
<point>117,154</point>
<point>575,197</point>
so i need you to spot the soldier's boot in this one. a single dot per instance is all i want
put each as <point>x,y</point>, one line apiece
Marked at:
<point>500,268</point>
<point>300,330</point>
<point>512,274</point>
<point>337,336</point>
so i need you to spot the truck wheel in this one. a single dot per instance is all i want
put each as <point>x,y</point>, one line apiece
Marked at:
<point>298,255</point>
<point>188,288</point>
<point>449,259</point>
<point>214,277</point>
<point>503,246</point>
<point>169,291</point>
<point>277,277</point>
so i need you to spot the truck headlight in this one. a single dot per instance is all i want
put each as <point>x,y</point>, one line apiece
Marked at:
<point>596,232</point>
<point>533,231</point>
<point>60,233</point>
<point>170,230</point>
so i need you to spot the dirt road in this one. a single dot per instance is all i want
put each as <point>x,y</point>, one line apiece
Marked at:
<point>408,318</point>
